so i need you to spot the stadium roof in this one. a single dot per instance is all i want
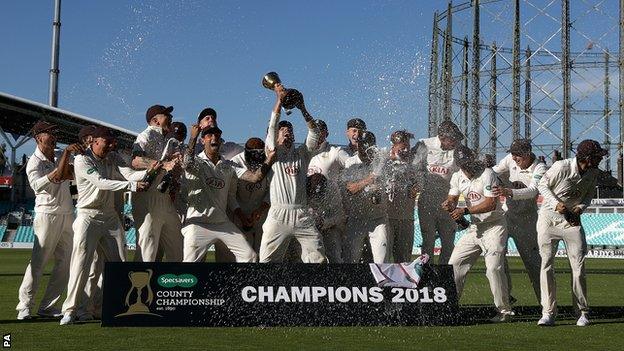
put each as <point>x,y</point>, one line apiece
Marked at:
<point>18,115</point>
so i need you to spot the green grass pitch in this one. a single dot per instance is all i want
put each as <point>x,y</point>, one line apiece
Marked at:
<point>605,290</point>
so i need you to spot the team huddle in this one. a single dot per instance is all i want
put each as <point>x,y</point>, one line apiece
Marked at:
<point>275,201</point>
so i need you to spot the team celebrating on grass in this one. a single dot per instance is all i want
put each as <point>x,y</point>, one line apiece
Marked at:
<point>275,201</point>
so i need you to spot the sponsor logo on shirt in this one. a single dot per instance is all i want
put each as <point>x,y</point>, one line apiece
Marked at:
<point>292,170</point>
<point>215,183</point>
<point>314,170</point>
<point>518,185</point>
<point>91,170</point>
<point>251,187</point>
<point>438,170</point>
<point>474,196</point>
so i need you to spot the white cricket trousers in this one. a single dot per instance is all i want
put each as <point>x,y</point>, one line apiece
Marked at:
<point>434,221</point>
<point>521,228</point>
<point>93,231</point>
<point>285,222</point>
<point>53,238</point>
<point>491,240</point>
<point>551,228</point>
<point>199,236</point>
<point>157,225</point>
<point>401,239</point>
<point>358,229</point>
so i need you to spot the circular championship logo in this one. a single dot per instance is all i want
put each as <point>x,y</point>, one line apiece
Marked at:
<point>215,183</point>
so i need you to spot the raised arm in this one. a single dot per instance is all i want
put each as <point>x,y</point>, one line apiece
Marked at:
<point>188,162</point>
<point>311,141</point>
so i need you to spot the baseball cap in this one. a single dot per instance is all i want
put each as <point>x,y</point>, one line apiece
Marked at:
<point>102,132</point>
<point>211,130</point>
<point>282,124</point>
<point>86,131</point>
<point>450,130</point>
<point>463,155</point>
<point>208,111</point>
<point>178,128</point>
<point>356,123</point>
<point>520,147</point>
<point>254,143</point>
<point>401,136</point>
<point>43,126</point>
<point>590,147</point>
<point>321,125</point>
<point>367,139</point>
<point>156,110</point>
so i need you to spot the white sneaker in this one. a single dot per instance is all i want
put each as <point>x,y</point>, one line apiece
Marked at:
<point>582,321</point>
<point>23,314</point>
<point>51,313</point>
<point>547,320</point>
<point>502,317</point>
<point>68,318</point>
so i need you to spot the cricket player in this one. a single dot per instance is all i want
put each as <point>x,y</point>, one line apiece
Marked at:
<point>329,161</point>
<point>488,232</point>
<point>568,188</point>
<point>400,178</point>
<point>365,203</point>
<point>525,172</point>
<point>212,183</point>
<point>208,118</point>
<point>49,178</point>
<point>355,127</point>
<point>97,225</point>
<point>326,208</point>
<point>441,165</point>
<point>155,217</point>
<point>288,216</point>
<point>253,199</point>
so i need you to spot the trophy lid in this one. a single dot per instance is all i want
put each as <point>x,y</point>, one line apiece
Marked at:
<point>270,80</point>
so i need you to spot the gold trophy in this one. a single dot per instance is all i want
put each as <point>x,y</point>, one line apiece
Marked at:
<point>139,281</point>
<point>293,97</point>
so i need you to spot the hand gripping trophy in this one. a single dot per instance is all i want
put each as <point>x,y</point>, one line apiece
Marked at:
<point>293,97</point>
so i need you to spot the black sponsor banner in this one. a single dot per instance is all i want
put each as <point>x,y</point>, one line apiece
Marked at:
<point>221,294</point>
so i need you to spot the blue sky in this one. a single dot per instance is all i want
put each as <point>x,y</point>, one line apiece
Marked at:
<point>349,58</point>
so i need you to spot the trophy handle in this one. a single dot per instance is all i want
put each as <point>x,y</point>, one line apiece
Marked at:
<point>150,294</point>
<point>129,291</point>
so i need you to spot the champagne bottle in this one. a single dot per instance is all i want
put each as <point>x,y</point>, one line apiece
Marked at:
<point>164,183</point>
<point>150,176</point>
<point>462,223</point>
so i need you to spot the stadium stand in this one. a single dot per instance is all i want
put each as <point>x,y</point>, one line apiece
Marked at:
<point>131,236</point>
<point>24,234</point>
<point>603,230</point>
